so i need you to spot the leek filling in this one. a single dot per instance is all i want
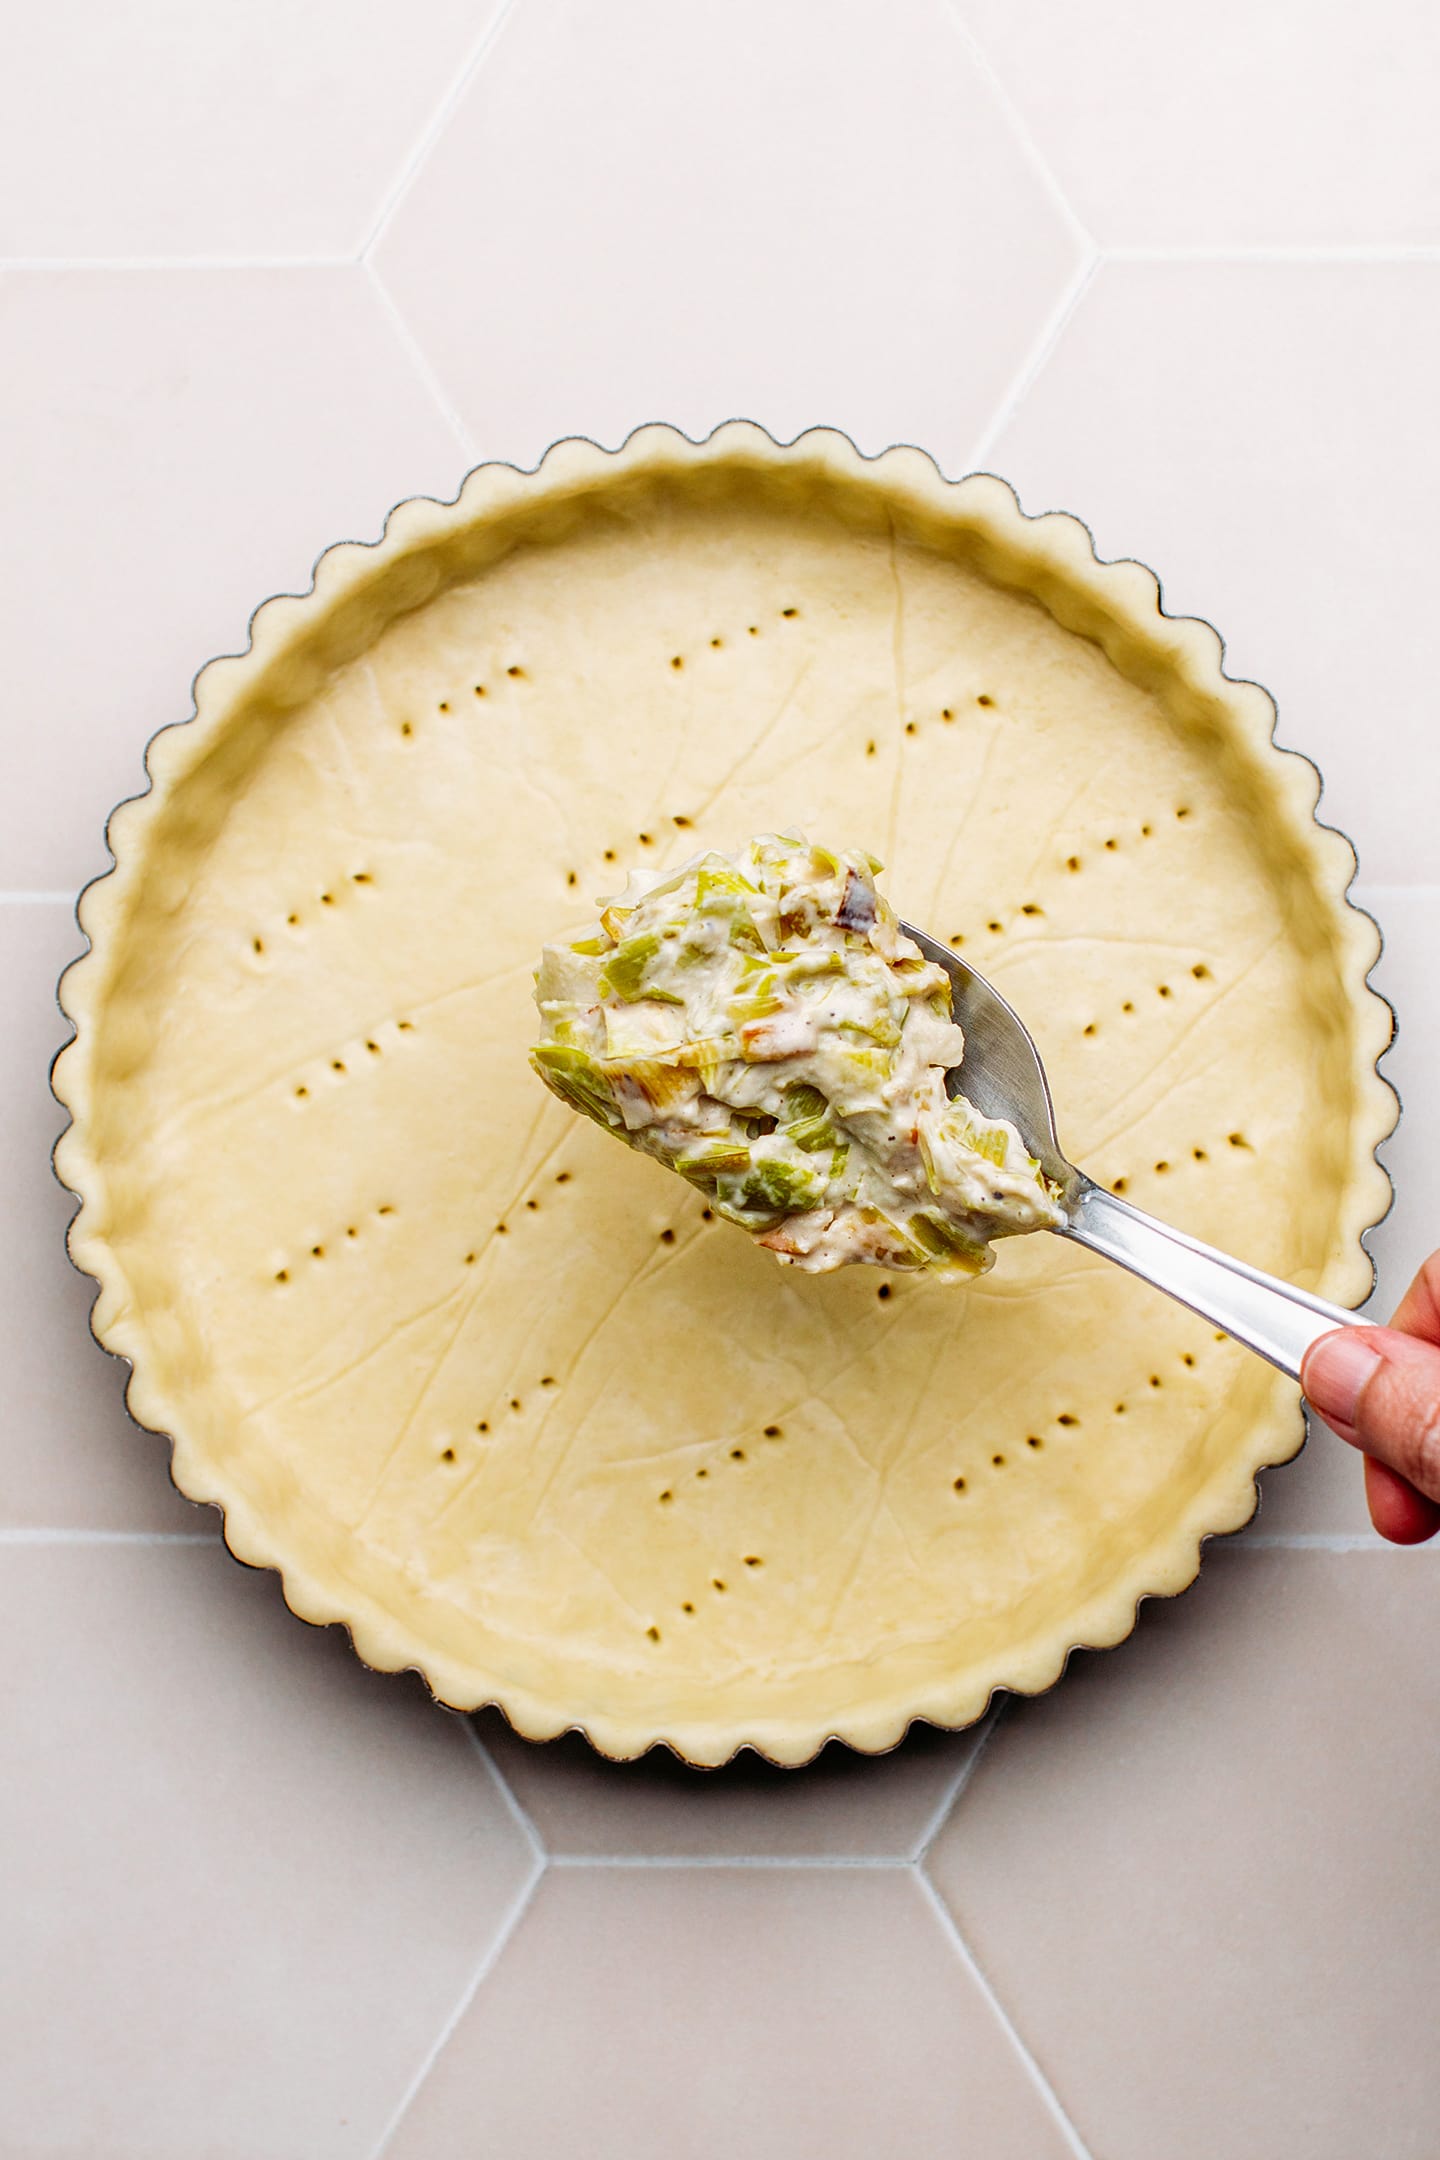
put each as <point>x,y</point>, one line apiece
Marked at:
<point>762,1025</point>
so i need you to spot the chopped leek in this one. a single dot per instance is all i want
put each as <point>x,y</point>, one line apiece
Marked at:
<point>763,1026</point>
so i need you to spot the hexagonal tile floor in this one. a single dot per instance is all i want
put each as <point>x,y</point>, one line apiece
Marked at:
<point>264,271</point>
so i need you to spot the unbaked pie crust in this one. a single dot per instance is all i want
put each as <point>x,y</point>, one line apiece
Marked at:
<point>489,1389</point>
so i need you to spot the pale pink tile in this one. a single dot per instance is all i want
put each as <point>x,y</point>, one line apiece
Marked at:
<point>244,1882</point>
<point>178,445</point>
<point>798,214</point>
<point>841,1803</point>
<point>1262,436</point>
<point>69,1455</point>
<point>1323,1491</point>
<point>781,2013</point>
<point>151,129</point>
<point>1229,124</point>
<point>1199,1873</point>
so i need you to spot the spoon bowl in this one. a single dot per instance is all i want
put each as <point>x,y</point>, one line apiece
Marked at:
<point>1003,1077</point>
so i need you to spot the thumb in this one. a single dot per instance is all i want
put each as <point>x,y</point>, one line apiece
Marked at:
<point>1380,1390</point>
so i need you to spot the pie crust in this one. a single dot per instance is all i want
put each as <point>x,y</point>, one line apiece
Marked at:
<point>490,1390</point>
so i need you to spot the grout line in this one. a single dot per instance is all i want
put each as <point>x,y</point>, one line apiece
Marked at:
<point>1358,252</point>
<point>429,380</point>
<point>958,1783</point>
<point>1318,1541</point>
<point>37,899</point>
<point>177,262</point>
<point>827,1862</point>
<point>519,1906</point>
<point>1019,127</point>
<point>501,1783</point>
<point>1038,2078</point>
<point>1032,365</point>
<point>435,127</point>
<point>109,1537</point>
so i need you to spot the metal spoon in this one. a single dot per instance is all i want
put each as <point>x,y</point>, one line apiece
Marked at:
<point>1004,1078</point>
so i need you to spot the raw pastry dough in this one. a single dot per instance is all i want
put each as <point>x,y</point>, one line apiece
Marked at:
<point>494,1392</point>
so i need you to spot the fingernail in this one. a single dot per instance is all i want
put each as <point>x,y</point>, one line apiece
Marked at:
<point>1335,1370</point>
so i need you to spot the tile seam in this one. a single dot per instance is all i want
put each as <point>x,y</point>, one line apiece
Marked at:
<point>1319,253</point>
<point>20,1536</point>
<point>1032,366</point>
<point>958,1783</point>
<point>834,1863</point>
<point>411,167</point>
<point>414,352</point>
<point>1044,2089</point>
<point>60,263</point>
<point>1332,1541</point>
<point>519,1906</point>
<point>518,1815</point>
<point>1019,127</point>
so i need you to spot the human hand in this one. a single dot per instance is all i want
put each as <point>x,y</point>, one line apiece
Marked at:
<point>1379,1388</point>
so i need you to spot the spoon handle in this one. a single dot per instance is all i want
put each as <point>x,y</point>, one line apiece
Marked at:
<point>1269,1316</point>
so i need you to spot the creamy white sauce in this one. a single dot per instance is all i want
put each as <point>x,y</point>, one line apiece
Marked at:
<point>762,1025</point>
